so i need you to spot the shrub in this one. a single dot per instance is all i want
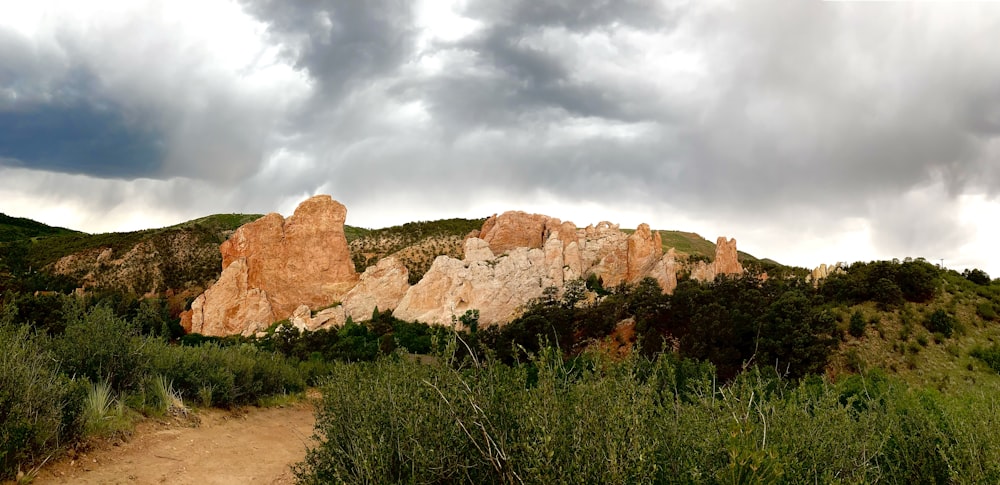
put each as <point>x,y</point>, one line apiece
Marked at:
<point>856,327</point>
<point>103,347</point>
<point>224,376</point>
<point>986,311</point>
<point>39,408</point>
<point>597,421</point>
<point>940,321</point>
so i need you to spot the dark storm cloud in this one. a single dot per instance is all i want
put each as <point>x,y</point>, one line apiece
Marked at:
<point>127,99</point>
<point>71,132</point>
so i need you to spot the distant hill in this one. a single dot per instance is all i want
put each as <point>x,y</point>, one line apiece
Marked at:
<point>19,228</point>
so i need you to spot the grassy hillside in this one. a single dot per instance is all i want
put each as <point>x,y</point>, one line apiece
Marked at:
<point>178,257</point>
<point>19,228</point>
<point>906,342</point>
<point>212,229</point>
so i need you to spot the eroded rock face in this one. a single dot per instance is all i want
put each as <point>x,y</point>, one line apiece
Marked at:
<point>301,269</point>
<point>381,286</point>
<point>500,284</point>
<point>726,262</point>
<point>272,266</point>
<point>498,287</point>
<point>516,229</point>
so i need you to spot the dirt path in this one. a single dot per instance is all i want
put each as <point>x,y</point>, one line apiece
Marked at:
<point>251,446</point>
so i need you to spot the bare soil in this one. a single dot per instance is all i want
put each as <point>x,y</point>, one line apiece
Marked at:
<point>247,446</point>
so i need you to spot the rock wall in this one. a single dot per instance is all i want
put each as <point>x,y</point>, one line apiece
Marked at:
<point>272,266</point>
<point>301,269</point>
<point>381,286</point>
<point>823,271</point>
<point>500,284</point>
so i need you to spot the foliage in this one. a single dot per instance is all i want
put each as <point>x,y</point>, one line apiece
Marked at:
<point>940,322</point>
<point>989,355</point>
<point>977,276</point>
<point>232,375</point>
<point>19,228</point>
<point>887,283</point>
<point>986,311</point>
<point>103,413</point>
<point>547,420</point>
<point>101,346</point>
<point>857,325</point>
<point>39,407</point>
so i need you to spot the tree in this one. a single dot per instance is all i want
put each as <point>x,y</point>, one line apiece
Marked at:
<point>857,325</point>
<point>977,276</point>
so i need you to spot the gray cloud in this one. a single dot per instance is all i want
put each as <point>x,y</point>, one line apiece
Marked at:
<point>791,114</point>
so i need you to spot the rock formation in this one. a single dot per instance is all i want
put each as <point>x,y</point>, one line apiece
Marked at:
<point>823,271</point>
<point>380,286</point>
<point>272,266</point>
<point>301,269</point>
<point>499,278</point>
<point>726,262</point>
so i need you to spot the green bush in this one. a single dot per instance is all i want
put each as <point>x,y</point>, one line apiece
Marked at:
<point>39,407</point>
<point>857,325</point>
<point>101,346</point>
<point>940,322</point>
<point>232,375</point>
<point>986,311</point>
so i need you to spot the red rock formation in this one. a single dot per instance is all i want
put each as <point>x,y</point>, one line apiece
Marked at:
<point>645,248</point>
<point>726,262</point>
<point>516,229</point>
<point>726,258</point>
<point>272,265</point>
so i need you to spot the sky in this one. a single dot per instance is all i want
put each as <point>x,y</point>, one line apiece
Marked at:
<point>812,132</point>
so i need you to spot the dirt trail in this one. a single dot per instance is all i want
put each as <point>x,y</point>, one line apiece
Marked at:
<point>251,446</point>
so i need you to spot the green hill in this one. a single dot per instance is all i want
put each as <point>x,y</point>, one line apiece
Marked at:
<point>19,228</point>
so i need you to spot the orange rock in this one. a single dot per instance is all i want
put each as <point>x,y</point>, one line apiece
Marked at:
<point>726,258</point>
<point>272,266</point>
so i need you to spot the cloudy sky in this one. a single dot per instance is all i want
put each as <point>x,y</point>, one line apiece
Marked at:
<point>811,131</point>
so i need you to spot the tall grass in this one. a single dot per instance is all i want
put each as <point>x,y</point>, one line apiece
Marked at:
<point>103,414</point>
<point>639,421</point>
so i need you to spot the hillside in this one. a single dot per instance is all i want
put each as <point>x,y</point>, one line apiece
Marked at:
<point>178,257</point>
<point>19,228</point>
<point>186,254</point>
<point>932,343</point>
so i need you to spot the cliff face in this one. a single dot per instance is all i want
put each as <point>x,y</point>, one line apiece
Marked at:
<point>301,269</point>
<point>272,266</point>
<point>501,275</point>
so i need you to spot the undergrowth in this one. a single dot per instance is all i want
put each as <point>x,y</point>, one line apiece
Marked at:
<point>591,420</point>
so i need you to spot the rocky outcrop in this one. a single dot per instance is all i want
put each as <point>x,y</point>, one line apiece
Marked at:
<point>497,287</point>
<point>823,271</point>
<point>272,266</point>
<point>300,269</point>
<point>380,287</point>
<point>499,279</point>
<point>516,229</point>
<point>726,262</point>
